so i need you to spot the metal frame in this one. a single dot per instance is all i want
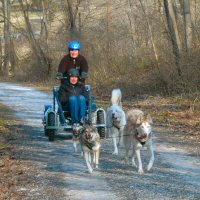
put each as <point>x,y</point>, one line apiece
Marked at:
<point>66,127</point>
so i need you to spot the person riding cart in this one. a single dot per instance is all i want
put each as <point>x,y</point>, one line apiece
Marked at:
<point>73,102</point>
<point>73,60</point>
<point>71,63</point>
<point>73,96</point>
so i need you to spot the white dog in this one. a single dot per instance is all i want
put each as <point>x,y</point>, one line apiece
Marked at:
<point>90,141</point>
<point>138,133</point>
<point>115,119</point>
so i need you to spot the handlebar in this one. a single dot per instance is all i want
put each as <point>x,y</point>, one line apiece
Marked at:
<point>65,78</point>
<point>83,76</point>
<point>61,78</point>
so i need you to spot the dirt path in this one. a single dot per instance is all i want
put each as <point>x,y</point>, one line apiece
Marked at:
<point>53,171</point>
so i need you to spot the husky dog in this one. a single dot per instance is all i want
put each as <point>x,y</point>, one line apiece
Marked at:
<point>90,142</point>
<point>115,119</point>
<point>138,133</point>
<point>76,128</point>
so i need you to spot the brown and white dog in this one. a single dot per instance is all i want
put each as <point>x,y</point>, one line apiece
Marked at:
<point>138,133</point>
<point>90,141</point>
<point>115,119</point>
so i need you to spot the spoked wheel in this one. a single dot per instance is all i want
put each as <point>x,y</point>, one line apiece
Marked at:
<point>101,120</point>
<point>51,122</point>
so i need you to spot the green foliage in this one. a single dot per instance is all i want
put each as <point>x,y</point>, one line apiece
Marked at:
<point>3,145</point>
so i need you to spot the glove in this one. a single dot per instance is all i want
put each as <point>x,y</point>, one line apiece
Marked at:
<point>84,75</point>
<point>59,75</point>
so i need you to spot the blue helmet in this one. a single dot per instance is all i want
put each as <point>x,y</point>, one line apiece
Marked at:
<point>74,45</point>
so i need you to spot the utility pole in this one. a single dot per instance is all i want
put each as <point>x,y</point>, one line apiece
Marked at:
<point>108,16</point>
<point>108,32</point>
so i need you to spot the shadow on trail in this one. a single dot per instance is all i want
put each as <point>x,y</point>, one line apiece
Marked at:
<point>162,180</point>
<point>33,145</point>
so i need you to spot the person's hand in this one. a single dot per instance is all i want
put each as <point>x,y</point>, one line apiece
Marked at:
<point>59,76</point>
<point>84,75</point>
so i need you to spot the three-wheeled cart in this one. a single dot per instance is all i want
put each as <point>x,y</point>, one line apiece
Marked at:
<point>51,118</point>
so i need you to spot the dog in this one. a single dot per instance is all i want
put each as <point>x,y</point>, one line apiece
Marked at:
<point>90,141</point>
<point>76,128</point>
<point>137,134</point>
<point>115,119</point>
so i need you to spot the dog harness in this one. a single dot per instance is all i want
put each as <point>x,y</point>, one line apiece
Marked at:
<point>114,125</point>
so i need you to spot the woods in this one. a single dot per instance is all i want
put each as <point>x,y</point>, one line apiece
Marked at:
<point>140,46</point>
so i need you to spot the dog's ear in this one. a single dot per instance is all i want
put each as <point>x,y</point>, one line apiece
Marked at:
<point>139,119</point>
<point>149,119</point>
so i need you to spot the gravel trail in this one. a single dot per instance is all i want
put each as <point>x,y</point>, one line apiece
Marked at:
<point>53,171</point>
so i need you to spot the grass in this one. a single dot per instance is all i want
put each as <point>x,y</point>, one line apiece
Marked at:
<point>6,120</point>
<point>3,145</point>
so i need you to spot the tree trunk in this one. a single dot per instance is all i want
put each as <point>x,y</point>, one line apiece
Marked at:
<point>151,35</point>
<point>173,30</point>
<point>1,58</point>
<point>188,25</point>
<point>7,64</point>
<point>72,14</point>
<point>46,33</point>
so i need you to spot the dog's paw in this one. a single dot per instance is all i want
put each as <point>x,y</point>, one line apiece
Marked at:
<point>140,171</point>
<point>115,152</point>
<point>90,170</point>
<point>96,166</point>
<point>149,166</point>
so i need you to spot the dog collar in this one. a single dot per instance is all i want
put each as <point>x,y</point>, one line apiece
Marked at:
<point>142,143</point>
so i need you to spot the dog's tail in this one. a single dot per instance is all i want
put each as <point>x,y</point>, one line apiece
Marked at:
<point>116,96</point>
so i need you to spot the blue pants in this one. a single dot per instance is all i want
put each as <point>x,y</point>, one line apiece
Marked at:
<point>77,106</point>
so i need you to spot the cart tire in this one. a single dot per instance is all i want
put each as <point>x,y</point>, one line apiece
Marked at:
<point>51,122</point>
<point>101,120</point>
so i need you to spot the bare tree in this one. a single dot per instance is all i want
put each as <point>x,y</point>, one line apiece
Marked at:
<point>188,25</point>
<point>173,30</point>
<point>151,34</point>
<point>44,29</point>
<point>8,64</point>
<point>72,10</point>
<point>37,50</point>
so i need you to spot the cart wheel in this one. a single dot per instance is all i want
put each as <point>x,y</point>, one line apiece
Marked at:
<point>51,122</point>
<point>101,120</point>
